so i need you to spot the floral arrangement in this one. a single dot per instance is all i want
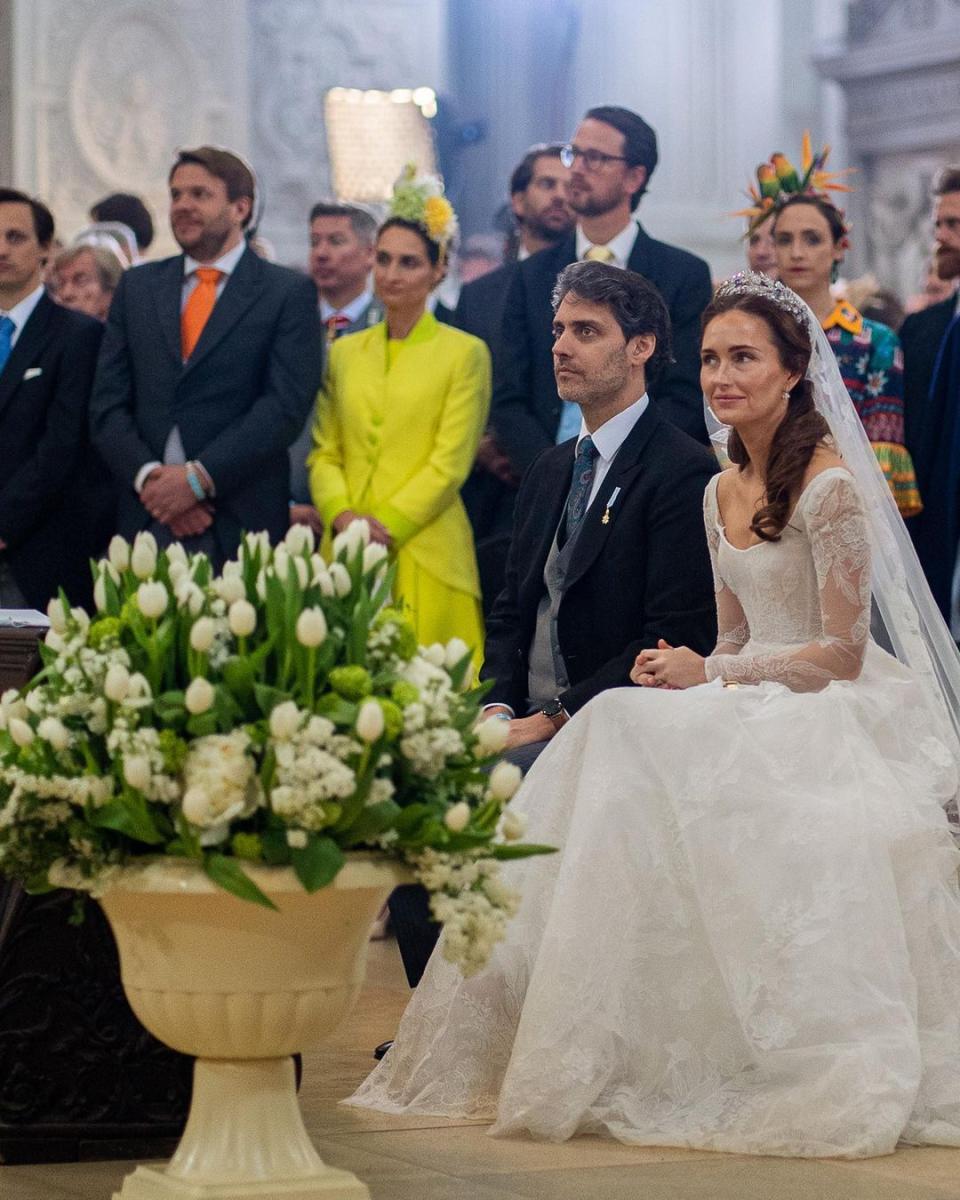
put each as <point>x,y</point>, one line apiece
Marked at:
<point>420,199</point>
<point>778,180</point>
<point>280,713</point>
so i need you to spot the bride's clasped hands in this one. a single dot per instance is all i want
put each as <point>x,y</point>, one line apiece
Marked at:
<point>670,667</point>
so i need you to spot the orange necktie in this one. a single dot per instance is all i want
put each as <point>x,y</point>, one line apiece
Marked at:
<point>198,309</point>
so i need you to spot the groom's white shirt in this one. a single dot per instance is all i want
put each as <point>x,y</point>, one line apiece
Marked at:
<point>609,438</point>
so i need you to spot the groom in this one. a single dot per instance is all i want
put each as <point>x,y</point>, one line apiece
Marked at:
<point>608,553</point>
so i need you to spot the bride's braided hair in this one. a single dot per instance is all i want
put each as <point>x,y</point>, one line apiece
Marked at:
<point>802,429</point>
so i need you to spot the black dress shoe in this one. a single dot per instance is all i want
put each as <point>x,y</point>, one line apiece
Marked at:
<point>382,1049</point>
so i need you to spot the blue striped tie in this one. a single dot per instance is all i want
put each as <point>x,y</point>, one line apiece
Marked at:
<point>583,464</point>
<point>6,340</point>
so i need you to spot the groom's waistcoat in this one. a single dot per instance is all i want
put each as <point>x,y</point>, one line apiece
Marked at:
<point>547,670</point>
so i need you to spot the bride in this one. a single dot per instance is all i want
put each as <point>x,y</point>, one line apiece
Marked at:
<point>750,938</point>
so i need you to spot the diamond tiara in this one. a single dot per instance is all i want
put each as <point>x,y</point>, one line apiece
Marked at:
<point>751,283</point>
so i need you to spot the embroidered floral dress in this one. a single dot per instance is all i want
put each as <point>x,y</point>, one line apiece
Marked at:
<point>871,363</point>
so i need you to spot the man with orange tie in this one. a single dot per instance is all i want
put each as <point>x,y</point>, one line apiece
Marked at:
<point>210,363</point>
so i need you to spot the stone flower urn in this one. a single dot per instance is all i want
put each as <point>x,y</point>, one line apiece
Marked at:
<point>243,988</point>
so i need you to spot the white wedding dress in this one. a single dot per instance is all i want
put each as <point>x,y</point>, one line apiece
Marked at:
<point>750,937</point>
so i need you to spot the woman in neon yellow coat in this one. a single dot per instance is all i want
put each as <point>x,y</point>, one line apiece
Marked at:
<point>398,422</point>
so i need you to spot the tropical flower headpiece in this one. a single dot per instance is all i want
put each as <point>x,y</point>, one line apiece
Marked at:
<point>420,199</point>
<point>778,180</point>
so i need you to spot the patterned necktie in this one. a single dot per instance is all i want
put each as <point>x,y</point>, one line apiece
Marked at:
<point>599,254</point>
<point>198,308</point>
<point>6,340</point>
<point>337,324</point>
<point>583,465</point>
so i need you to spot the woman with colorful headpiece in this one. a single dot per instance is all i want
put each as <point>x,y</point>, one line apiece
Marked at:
<point>399,419</point>
<point>810,236</point>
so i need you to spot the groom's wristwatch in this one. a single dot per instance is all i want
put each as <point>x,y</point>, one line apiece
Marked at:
<point>554,710</point>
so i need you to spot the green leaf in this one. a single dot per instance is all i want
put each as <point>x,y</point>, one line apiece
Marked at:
<point>128,814</point>
<point>202,725</point>
<point>341,712</point>
<point>268,697</point>
<point>317,863</point>
<point>504,852</point>
<point>229,875</point>
<point>372,821</point>
<point>239,676</point>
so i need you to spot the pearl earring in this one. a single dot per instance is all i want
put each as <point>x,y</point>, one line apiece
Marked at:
<point>786,394</point>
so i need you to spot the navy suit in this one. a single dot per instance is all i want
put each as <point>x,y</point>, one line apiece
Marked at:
<point>55,504</point>
<point>239,401</point>
<point>526,408</point>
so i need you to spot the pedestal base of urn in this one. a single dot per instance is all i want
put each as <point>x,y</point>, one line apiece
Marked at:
<point>244,1138</point>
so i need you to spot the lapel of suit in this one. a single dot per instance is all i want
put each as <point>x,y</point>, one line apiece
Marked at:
<point>623,473</point>
<point>168,298</point>
<point>550,503</point>
<point>34,336</point>
<point>641,256</point>
<point>240,291</point>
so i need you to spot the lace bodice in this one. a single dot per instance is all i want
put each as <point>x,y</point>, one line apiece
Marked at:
<point>796,611</point>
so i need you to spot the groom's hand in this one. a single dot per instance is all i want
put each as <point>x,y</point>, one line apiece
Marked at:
<point>524,730</point>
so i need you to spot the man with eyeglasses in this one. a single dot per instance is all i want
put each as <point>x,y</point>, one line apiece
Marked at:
<point>611,158</point>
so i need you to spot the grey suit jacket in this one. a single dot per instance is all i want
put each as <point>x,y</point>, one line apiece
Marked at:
<point>239,401</point>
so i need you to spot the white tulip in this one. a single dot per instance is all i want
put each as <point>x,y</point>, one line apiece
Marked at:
<point>118,552</point>
<point>353,538</point>
<point>54,641</point>
<point>136,771</point>
<point>311,627</point>
<point>178,571</point>
<point>505,778</point>
<point>230,589</point>
<point>299,538</point>
<point>81,617</point>
<point>436,654</point>
<point>143,557</point>
<point>196,806</point>
<point>513,825</point>
<point>176,555</point>
<point>492,734</point>
<point>190,596</point>
<point>140,690</point>
<point>370,721</point>
<point>57,616</point>
<point>257,541</point>
<point>55,732</point>
<point>321,578</point>
<point>457,818</point>
<point>232,569</point>
<point>455,651</point>
<point>116,683</point>
<point>242,618</point>
<point>281,562</point>
<point>340,577</point>
<point>284,720</point>
<point>261,584</point>
<point>152,599</point>
<point>100,594</point>
<point>202,633</point>
<point>374,555</point>
<point>20,731</point>
<point>199,696</point>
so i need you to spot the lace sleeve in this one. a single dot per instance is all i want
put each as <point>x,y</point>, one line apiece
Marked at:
<point>836,527</point>
<point>733,632</point>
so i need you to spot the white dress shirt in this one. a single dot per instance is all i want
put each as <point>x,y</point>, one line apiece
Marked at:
<point>173,451</point>
<point>609,438</point>
<point>21,312</point>
<point>620,246</point>
<point>352,311</point>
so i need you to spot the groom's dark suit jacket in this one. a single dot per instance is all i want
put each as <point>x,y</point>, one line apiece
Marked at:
<point>643,574</point>
<point>920,337</point>
<point>55,504</point>
<point>239,401</point>
<point>525,412</point>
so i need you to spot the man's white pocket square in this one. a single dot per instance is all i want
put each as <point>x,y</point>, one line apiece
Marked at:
<point>32,373</point>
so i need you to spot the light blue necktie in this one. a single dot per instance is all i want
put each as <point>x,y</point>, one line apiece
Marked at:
<point>586,457</point>
<point>7,328</point>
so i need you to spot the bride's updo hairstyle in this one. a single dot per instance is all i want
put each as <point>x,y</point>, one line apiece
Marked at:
<point>803,428</point>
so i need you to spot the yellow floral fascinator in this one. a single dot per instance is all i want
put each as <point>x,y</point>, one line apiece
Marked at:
<point>420,199</point>
<point>778,180</point>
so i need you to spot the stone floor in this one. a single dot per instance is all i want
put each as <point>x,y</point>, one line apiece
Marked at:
<point>430,1159</point>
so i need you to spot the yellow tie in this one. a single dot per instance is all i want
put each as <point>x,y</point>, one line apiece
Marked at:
<point>198,309</point>
<point>599,254</point>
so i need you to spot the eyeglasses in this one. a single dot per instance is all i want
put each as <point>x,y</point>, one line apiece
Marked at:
<point>593,160</point>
